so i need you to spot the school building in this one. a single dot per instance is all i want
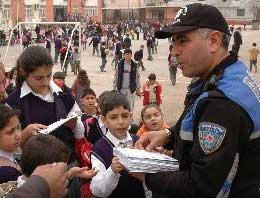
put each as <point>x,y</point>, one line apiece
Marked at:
<point>112,11</point>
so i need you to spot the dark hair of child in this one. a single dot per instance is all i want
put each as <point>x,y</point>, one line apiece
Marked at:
<point>6,114</point>
<point>254,44</point>
<point>88,91</point>
<point>40,150</point>
<point>83,78</point>
<point>76,50</point>
<point>11,73</point>
<point>152,76</point>
<point>30,59</point>
<point>111,100</point>
<point>150,106</point>
<point>127,51</point>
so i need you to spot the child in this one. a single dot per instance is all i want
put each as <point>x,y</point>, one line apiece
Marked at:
<point>152,119</point>
<point>103,52</point>
<point>112,180</point>
<point>46,149</point>
<point>152,91</point>
<point>81,83</point>
<point>94,127</point>
<point>40,100</point>
<point>76,61</point>
<point>253,57</point>
<point>138,56</point>
<point>10,136</point>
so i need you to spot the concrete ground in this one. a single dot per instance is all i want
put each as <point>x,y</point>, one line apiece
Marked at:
<point>173,96</point>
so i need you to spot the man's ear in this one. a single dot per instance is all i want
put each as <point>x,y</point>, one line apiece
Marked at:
<point>215,39</point>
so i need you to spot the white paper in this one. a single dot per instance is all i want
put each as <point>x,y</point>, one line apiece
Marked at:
<point>143,161</point>
<point>56,125</point>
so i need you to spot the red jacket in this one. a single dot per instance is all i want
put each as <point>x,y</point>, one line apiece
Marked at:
<point>157,91</point>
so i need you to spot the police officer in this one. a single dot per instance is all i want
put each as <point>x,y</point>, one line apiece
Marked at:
<point>217,138</point>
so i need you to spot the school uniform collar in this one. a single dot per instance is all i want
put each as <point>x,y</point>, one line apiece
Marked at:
<point>128,140</point>
<point>7,155</point>
<point>26,89</point>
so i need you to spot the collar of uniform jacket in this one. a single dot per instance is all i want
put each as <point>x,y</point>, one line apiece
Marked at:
<point>25,90</point>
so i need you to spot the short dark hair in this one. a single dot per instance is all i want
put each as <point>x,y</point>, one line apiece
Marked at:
<point>152,76</point>
<point>40,150</point>
<point>254,44</point>
<point>111,100</point>
<point>150,106</point>
<point>88,91</point>
<point>6,114</point>
<point>30,59</point>
<point>128,51</point>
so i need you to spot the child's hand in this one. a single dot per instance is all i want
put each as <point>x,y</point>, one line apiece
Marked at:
<point>116,166</point>
<point>81,172</point>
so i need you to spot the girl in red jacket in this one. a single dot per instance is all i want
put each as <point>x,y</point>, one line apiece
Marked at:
<point>152,91</point>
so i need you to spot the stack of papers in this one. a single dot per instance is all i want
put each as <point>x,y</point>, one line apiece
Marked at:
<point>143,161</point>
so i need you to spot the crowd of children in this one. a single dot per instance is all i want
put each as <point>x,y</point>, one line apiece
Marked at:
<point>85,144</point>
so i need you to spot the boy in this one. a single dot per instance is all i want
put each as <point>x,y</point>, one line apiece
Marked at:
<point>112,180</point>
<point>138,56</point>
<point>94,127</point>
<point>152,91</point>
<point>103,56</point>
<point>253,57</point>
<point>45,149</point>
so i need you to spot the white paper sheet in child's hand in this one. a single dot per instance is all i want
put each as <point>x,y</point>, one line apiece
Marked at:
<point>56,125</point>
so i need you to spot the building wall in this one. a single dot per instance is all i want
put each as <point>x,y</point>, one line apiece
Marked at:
<point>229,8</point>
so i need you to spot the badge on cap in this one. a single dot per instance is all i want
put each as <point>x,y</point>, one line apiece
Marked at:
<point>182,11</point>
<point>211,136</point>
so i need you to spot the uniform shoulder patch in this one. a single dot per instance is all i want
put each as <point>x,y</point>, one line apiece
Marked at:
<point>211,136</point>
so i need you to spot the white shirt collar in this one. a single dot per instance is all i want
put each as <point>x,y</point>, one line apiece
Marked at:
<point>128,140</point>
<point>7,155</point>
<point>26,89</point>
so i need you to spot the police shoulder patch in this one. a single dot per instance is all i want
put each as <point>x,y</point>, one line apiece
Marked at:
<point>211,136</point>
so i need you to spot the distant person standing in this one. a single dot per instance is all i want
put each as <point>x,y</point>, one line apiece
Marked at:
<point>172,66</point>
<point>253,56</point>
<point>127,78</point>
<point>237,41</point>
<point>104,53</point>
<point>58,46</point>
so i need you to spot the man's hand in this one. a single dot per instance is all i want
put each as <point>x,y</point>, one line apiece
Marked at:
<point>151,140</point>
<point>116,166</point>
<point>56,176</point>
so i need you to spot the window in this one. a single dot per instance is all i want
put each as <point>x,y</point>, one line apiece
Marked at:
<point>42,12</point>
<point>90,11</point>
<point>28,12</point>
<point>240,12</point>
<point>76,9</point>
<point>154,14</point>
<point>7,12</point>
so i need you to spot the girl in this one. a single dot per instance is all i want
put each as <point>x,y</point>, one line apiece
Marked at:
<point>11,84</point>
<point>10,136</point>
<point>41,101</point>
<point>152,119</point>
<point>80,84</point>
